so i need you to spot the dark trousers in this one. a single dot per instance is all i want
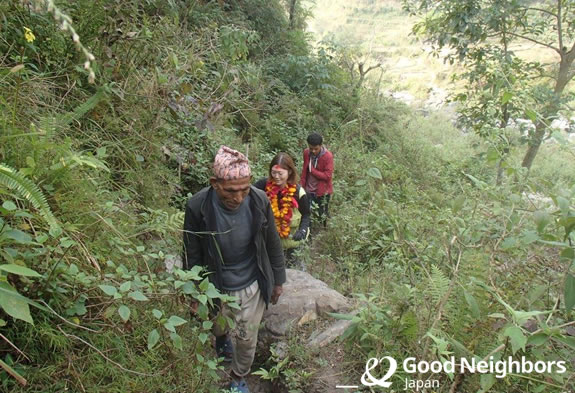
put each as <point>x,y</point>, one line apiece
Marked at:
<point>319,207</point>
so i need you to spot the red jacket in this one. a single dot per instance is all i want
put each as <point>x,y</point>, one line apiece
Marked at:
<point>323,172</point>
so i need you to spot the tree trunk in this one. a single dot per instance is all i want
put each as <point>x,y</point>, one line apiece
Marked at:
<point>292,8</point>
<point>534,145</point>
<point>563,78</point>
<point>499,172</point>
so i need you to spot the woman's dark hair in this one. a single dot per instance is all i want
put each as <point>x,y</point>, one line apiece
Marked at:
<point>314,139</point>
<point>285,161</point>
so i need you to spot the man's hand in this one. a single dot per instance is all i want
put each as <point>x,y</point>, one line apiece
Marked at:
<point>276,293</point>
<point>299,235</point>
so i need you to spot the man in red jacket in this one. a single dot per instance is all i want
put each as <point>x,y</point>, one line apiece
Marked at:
<point>316,176</point>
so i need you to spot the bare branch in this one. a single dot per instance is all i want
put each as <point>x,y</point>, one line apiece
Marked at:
<point>541,10</point>
<point>535,41</point>
<point>372,67</point>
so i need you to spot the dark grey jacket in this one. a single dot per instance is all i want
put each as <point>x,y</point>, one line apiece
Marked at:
<point>200,248</point>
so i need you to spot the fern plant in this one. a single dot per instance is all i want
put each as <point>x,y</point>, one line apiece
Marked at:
<point>438,285</point>
<point>25,188</point>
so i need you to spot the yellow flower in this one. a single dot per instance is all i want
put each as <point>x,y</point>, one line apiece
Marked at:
<point>30,37</point>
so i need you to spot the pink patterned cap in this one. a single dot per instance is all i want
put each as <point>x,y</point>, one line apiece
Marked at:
<point>230,164</point>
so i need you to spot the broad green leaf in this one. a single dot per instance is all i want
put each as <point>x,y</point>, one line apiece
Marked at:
<point>178,284</point>
<point>517,338</point>
<point>2,323</point>
<point>9,205</point>
<point>506,97</point>
<point>478,183</point>
<point>18,236</point>
<point>153,338</point>
<point>569,341</point>
<point>177,341</point>
<point>157,313</point>
<point>203,337</point>
<point>139,296</point>
<point>473,306</point>
<point>492,155</point>
<point>569,292</point>
<point>568,223</point>
<point>108,289</point>
<point>41,238</point>
<point>55,231</point>
<point>66,242</point>
<point>174,320</point>
<point>537,339</point>
<point>207,325</point>
<point>169,327</point>
<point>204,285</point>
<point>531,115</point>
<point>203,311</point>
<point>202,299</point>
<point>374,173</point>
<point>539,388</point>
<point>529,237</point>
<point>126,286</point>
<point>508,243</point>
<point>212,292</point>
<point>486,381</point>
<point>15,306</point>
<point>189,288</point>
<point>536,292</point>
<point>193,273</point>
<point>124,312</point>
<point>521,317</point>
<point>19,270</point>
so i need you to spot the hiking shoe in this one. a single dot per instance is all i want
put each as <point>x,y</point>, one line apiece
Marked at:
<point>239,386</point>
<point>224,348</point>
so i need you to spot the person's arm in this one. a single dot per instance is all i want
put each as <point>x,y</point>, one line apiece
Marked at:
<point>275,252</point>
<point>261,183</point>
<point>193,254</point>
<point>303,176</point>
<point>304,209</point>
<point>326,173</point>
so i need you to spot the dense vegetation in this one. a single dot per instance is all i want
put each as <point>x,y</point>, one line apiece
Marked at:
<point>93,177</point>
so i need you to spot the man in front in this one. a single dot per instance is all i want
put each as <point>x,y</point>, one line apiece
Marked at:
<point>229,228</point>
<point>316,176</point>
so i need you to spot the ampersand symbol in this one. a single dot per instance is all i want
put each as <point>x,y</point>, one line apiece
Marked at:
<point>368,380</point>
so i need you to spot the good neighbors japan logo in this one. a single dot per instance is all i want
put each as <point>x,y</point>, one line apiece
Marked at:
<point>500,368</point>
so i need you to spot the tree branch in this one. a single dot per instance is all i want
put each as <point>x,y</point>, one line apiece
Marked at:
<point>559,27</point>
<point>372,67</point>
<point>541,10</point>
<point>558,50</point>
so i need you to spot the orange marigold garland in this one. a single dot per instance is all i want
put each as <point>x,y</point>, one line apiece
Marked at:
<point>283,202</point>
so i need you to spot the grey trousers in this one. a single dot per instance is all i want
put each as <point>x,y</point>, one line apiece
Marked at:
<point>245,333</point>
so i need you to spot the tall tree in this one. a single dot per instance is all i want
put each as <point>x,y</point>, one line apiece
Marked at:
<point>473,28</point>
